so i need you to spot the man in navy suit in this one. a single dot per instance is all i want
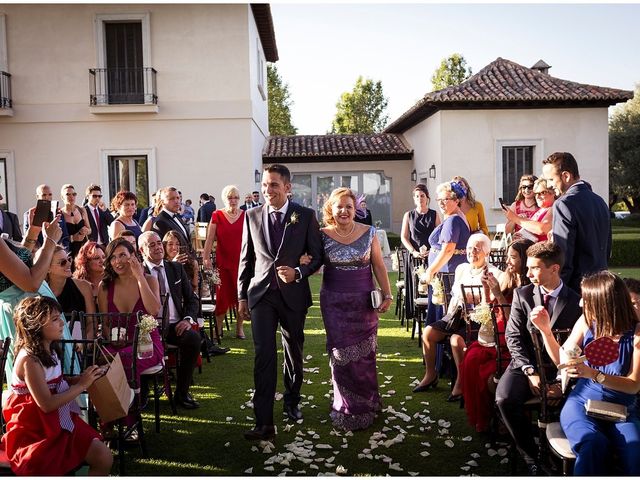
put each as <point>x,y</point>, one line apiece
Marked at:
<point>207,207</point>
<point>10,225</point>
<point>274,289</point>
<point>99,219</point>
<point>581,222</point>
<point>521,381</point>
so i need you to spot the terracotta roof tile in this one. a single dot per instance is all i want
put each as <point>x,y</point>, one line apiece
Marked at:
<point>380,146</point>
<point>504,84</point>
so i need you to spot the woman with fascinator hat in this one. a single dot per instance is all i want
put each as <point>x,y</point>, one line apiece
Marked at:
<point>472,208</point>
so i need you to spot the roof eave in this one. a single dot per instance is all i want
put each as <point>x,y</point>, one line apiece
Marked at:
<point>338,158</point>
<point>264,22</point>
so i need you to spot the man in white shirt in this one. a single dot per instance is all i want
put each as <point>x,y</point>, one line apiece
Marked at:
<point>179,312</point>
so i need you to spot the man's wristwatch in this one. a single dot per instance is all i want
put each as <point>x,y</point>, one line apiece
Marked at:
<point>529,371</point>
<point>600,378</point>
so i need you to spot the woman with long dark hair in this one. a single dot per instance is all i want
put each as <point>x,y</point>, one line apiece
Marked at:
<point>607,312</point>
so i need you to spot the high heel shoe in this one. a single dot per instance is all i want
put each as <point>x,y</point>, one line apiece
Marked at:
<point>423,388</point>
<point>454,398</point>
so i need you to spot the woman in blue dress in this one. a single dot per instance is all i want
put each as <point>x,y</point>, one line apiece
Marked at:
<point>608,312</point>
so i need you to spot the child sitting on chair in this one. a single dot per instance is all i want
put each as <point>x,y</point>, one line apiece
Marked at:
<point>45,434</point>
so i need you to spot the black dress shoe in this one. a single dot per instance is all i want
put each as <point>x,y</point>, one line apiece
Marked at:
<point>266,432</point>
<point>217,350</point>
<point>454,398</point>
<point>187,401</point>
<point>292,411</point>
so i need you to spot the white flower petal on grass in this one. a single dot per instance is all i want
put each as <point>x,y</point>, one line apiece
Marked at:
<point>443,431</point>
<point>413,474</point>
<point>301,472</point>
<point>249,418</point>
<point>424,454</point>
<point>267,449</point>
<point>449,443</point>
<point>229,419</point>
<point>388,377</point>
<point>491,452</point>
<point>308,357</point>
<point>466,468</point>
<point>269,469</point>
<point>287,427</point>
<point>402,365</point>
<point>323,421</point>
<point>360,456</point>
<point>487,445</point>
<point>300,421</point>
<point>340,470</point>
<point>391,392</point>
<point>467,439</point>
<point>396,467</point>
<point>425,444</point>
<point>349,434</point>
<point>331,459</point>
<point>474,455</point>
<point>254,449</point>
<point>504,460</point>
<point>443,423</point>
<point>316,437</point>
<point>408,397</point>
<point>502,452</point>
<point>314,467</point>
<point>329,465</point>
<point>472,463</point>
<point>227,444</point>
<point>397,354</point>
<point>324,446</point>
<point>249,470</point>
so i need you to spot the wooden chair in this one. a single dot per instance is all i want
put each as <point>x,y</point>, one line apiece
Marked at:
<point>155,374</point>
<point>208,305</point>
<point>400,253</point>
<point>199,235</point>
<point>552,438</point>
<point>498,258</point>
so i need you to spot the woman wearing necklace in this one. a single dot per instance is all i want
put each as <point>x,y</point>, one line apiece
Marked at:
<point>75,218</point>
<point>125,204</point>
<point>352,257</point>
<point>525,205</point>
<point>225,229</point>
<point>417,226</point>
<point>477,251</point>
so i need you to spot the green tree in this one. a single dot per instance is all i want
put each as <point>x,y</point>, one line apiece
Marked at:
<point>453,70</point>
<point>363,110</point>
<point>279,104</point>
<point>624,154</point>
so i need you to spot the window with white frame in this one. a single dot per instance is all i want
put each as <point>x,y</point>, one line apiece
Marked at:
<point>131,170</point>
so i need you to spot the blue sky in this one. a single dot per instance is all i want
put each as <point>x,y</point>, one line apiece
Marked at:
<point>323,48</point>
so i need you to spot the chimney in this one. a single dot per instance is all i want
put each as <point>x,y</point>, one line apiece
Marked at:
<point>542,67</point>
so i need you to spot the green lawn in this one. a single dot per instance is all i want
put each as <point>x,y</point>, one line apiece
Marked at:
<point>209,441</point>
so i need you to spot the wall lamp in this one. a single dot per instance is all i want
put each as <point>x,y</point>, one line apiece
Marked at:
<point>432,171</point>
<point>256,176</point>
<point>414,175</point>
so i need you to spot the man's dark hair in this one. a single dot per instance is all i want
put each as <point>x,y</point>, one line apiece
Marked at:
<point>564,162</point>
<point>279,169</point>
<point>205,197</point>
<point>93,187</point>
<point>550,253</point>
<point>254,192</point>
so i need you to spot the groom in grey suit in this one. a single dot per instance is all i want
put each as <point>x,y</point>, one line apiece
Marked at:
<point>274,289</point>
<point>581,224</point>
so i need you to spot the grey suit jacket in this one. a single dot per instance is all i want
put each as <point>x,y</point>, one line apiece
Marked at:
<point>257,262</point>
<point>582,228</point>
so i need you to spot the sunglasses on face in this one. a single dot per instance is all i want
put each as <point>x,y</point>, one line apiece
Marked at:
<point>96,196</point>
<point>544,192</point>
<point>526,187</point>
<point>71,194</point>
<point>64,261</point>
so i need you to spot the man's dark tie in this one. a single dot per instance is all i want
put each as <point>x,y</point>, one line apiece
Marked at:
<point>97,216</point>
<point>161,282</point>
<point>546,299</point>
<point>276,230</point>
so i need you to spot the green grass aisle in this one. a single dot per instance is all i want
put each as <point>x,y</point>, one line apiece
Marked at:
<point>418,434</point>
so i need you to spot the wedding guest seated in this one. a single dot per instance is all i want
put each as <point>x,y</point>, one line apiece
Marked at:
<point>520,382</point>
<point>478,248</point>
<point>176,251</point>
<point>633,285</point>
<point>479,364</point>
<point>537,227</point>
<point>183,311</point>
<point>607,313</point>
<point>90,265</point>
<point>125,203</point>
<point>126,288</point>
<point>73,294</point>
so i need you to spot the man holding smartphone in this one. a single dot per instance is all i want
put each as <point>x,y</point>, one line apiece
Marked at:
<point>43,192</point>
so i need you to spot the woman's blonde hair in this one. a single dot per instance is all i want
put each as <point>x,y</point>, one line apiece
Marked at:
<point>229,190</point>
<point>529,177</point>
<point>471,198</point>
<point>448,190</point>
<point>336,195</point>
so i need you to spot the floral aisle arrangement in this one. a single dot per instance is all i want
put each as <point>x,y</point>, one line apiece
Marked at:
<point>146,325</point>
<point>482,315</point>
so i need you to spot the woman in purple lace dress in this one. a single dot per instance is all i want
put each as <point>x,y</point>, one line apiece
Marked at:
<point>352,257</point>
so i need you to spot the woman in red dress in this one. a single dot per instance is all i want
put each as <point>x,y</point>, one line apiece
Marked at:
<point>226,229</point>
<point>525,205</point>
<point>479,364</point>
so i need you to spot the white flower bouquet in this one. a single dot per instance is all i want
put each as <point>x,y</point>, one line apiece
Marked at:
<point>481,314</point>
<point>147,324</point>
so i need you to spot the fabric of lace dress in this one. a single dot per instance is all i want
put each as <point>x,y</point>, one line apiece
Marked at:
<point>351,324</point>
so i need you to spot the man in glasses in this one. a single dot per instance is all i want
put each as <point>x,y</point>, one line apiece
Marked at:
<point>99,219</point>
<point>581,224</point>
<point>43,192</point>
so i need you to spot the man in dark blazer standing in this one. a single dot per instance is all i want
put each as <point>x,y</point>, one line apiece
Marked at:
<point>169,217</point>
<point>99,220</point>
<point>181,312</point>
<point>206,209</point>
<point>520,381</point>
<point>11,225</point>
<point>274,289</point>
<point>581,221</point>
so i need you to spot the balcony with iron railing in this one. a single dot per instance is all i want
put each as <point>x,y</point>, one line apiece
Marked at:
<point>123,90</point>
<point>6,103</point>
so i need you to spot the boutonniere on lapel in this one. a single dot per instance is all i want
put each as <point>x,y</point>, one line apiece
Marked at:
<point>293,220</point>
